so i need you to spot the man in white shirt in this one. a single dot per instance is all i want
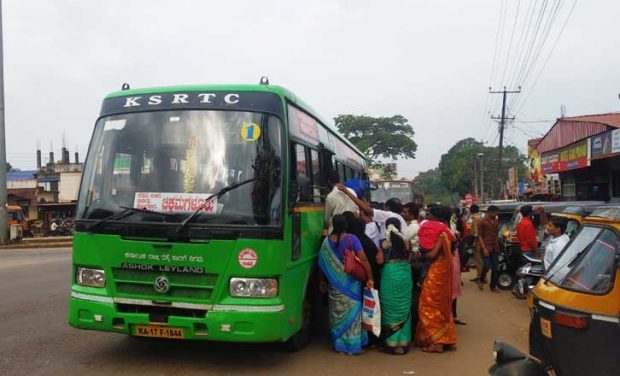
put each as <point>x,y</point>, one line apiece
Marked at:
<point>337,202</point>
<point>556,228</point>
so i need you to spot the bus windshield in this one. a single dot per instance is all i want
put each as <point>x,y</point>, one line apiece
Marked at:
<point>172,161</point>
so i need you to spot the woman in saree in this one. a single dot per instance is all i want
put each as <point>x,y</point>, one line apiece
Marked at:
<point>396,288</point>
<point>436,330</point>
<point>344,292</point>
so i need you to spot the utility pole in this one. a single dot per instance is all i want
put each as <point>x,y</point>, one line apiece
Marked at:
<point>3,210</point>
<point>475,180</point>
<point>480,156</point>
<point>502,126</point>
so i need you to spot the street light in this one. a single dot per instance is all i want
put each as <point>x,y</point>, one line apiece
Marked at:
<point>479,156</point>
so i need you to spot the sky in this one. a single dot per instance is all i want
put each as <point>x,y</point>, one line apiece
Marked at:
<point>430,61</point>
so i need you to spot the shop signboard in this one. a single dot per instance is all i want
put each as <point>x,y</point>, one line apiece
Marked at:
<point>601,144</point>
<point>615,141</point>
<point>533,162</point>
<point>568,158</point>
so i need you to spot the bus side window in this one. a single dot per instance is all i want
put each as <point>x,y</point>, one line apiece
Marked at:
<point>301,172</point>
<point>317,183</point>
<point>341,172</point>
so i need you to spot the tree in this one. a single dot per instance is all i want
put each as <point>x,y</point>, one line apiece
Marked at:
<point>8,167</point>
<point>457,166</point>
<point>434,190</point>
<point>386,173</point>
<point>382,137</point>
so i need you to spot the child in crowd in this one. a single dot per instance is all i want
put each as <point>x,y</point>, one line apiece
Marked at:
<point>429,232</point>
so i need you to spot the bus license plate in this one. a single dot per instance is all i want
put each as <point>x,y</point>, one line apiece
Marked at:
<point>545,327</point>
<point>158,331</point>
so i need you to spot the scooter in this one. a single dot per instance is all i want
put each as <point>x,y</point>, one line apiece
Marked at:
<point>528,275</point>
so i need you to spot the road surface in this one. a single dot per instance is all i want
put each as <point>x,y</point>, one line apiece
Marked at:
<point>36,339</point>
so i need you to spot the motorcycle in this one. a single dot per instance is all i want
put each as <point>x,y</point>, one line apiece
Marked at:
<point>528,275</point>
<point>508,262</point>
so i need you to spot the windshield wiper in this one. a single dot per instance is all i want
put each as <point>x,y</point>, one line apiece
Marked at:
<point>126,212</point>
<point>570,263</point>
<point>220,193</point>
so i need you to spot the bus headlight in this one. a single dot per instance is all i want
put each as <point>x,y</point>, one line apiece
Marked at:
<point>90,277</point>
<point>254,287</point>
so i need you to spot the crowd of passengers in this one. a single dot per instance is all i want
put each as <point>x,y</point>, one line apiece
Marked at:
<point>414,257</point>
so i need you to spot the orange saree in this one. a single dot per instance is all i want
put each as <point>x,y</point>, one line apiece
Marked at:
<point>436,325</point>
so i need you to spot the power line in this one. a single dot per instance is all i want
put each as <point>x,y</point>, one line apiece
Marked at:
<point>514,26</point>
<point>527,20</point>
<point>540,47</point>
<point>531,88</point>
<point>528,54</point>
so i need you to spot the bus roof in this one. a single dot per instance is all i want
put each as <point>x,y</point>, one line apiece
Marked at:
<point>278,90</point>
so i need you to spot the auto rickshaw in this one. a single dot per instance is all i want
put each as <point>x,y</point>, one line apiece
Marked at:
<point>510,258</point>
<point>575,308</point>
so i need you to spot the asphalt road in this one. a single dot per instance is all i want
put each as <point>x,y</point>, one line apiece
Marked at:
<point>35,338</point>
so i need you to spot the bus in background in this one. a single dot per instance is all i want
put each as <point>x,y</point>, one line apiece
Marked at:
<point>200,214</point>
<point>405,190</point>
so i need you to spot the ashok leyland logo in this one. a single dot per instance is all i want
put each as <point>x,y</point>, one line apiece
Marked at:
<point>161,285</point>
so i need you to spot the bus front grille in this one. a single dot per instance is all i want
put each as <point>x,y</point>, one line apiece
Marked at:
<point>132,283</point>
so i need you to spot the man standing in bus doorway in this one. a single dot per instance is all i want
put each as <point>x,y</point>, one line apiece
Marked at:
<point>526,233</point>
<point>337,201</point>
<point>394,206</point>
<point>487,235</point>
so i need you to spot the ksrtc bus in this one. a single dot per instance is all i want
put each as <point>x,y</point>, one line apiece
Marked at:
<point>405,190</point>
<point>200,214</point>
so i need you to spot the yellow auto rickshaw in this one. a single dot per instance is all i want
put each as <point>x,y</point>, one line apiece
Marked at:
<point>575,308</point>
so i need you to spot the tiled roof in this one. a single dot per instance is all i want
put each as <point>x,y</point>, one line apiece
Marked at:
<point>568,130</point>
<point>612,119</point>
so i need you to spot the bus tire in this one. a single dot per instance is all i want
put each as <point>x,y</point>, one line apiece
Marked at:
<point>303,337</point>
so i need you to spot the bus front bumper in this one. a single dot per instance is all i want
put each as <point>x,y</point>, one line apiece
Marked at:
<point>230,323</point>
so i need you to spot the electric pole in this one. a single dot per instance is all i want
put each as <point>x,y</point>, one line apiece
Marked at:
<point>3,199</point>
<point>502,126</point>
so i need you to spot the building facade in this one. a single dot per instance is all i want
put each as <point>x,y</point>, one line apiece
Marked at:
<point>585,153</point>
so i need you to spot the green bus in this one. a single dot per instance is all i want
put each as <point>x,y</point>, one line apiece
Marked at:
<point>200,214</point>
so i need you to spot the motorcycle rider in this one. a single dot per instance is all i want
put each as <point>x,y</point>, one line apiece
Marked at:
<point>54,227</point>
<point>555,228</point>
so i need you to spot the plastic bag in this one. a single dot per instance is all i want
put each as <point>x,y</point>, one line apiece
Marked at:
<point>371,312</point>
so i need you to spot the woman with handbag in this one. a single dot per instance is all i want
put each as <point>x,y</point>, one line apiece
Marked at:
<point>345,297</point>
<point>396,290</point>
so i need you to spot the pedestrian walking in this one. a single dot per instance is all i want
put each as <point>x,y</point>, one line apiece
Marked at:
<point>487,235</point>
